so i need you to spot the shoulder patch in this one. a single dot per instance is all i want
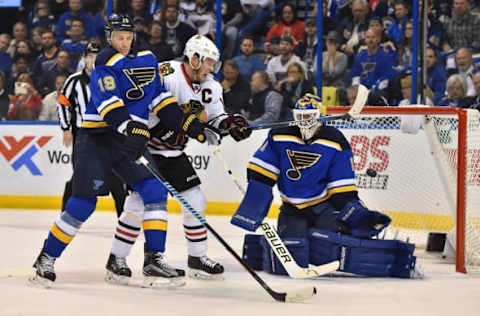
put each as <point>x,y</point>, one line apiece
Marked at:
<point>165,69</point>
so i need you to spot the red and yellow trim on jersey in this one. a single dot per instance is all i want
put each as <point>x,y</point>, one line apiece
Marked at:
<point>288,138</point>
<point>328,143</point>
<point>60,235</point>
<point>163,103</point>
<point>348,188</point>
<point>155,225</point>
<point>262,171</point>
<point>111,107</point>
<point>114,59</point>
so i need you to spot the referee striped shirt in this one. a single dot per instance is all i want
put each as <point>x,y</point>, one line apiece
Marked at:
<point>72,101</point>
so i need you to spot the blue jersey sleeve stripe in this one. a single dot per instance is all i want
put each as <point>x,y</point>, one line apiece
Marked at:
<point>265,165</point>
<point>341,183</point>
<point>328,143</point>
<point>163,104</point>
<point>114,59</point>
<point>111,107</point>
<point>262,171</point>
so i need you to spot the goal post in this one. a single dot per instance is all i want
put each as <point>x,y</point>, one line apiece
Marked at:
<point>427,179</point>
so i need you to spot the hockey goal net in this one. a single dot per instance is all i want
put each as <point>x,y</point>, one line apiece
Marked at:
<point>421,165</point>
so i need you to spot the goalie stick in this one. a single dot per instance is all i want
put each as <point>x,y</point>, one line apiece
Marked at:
<point>298,295</point>
<point>276,244</point>
<point>358,104</point>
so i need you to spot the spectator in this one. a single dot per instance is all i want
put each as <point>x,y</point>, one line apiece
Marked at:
<point>462,29</point>
<point>255,17</point>
<point>397,28</point>
<point>62,29</point>
<point>236,89</point>
<point>141,30</point>
<point>277,66</point>
<point>20,66</point>
<point>372,100</point>
<point>334,63</point>
<point>288,24</point>
<point>36,41</point>
<point>61,66</point>
<point>372,67</point>
<point>265,104</point>
<point>3,97</point>
<point>41,16</point>
<point>328,23</point>
<point>404,56</point>
<point>353,29</point>
<point>406,85</point>
<point>203,18</point>
<point>24,48</point>
<point>248,62</point>
<point>465,68</point>
<point>176,33</point>
<point>48,57</point>
<point>26,104</point>
<point>292,89</point>
<point>386,44</point>
<point>76,42</point>
<point>456,93</point>
<point>436,76</point>
<point>5,58</point>
<point>49,110</point>
<point>155,43</point>
<point>139,9</point>
<point>231,19</point>
<point>20,32</point>
<point>476,82</point>
<point>307,49</point>
<point>98,23</point>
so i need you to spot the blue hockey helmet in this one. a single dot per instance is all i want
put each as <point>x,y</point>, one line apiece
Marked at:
<point>118,22</point>
<point>306,112</point>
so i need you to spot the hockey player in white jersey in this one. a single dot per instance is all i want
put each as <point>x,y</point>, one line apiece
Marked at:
<point>192,83</point>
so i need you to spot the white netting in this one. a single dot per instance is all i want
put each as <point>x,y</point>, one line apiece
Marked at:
<point>415,180</point>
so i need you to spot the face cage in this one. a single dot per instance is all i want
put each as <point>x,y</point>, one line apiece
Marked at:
<point>307,122</point>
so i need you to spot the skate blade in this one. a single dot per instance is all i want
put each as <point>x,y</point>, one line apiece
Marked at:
<point>37,280</point>
<point>202,275</point>
<point>113,278</point>
<point>163,283</point>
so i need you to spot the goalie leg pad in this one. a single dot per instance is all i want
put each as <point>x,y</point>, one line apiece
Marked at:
<point>369,257</point>
<point>253,251</point>
<point>298,248</point>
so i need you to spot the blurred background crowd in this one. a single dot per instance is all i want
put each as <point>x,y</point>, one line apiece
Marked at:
<point>269,50</point>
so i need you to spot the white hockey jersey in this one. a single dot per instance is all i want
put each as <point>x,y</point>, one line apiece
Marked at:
<point>176,81</point>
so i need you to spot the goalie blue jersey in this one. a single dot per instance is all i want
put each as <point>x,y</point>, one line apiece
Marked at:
<point>306,174</point>
<point>125,81</point>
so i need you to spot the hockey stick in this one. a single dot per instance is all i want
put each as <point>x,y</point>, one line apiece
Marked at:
<point>358,104</point>
<point>276,244</point>
<point>290,296</point>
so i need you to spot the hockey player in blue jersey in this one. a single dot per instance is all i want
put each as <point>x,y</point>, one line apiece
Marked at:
<point>312,166</point>
<point>125,88</point>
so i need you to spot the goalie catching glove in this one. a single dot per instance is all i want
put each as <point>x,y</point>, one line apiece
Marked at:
<point>136,140</point>
<point>237,126</point>
<point>362,222</point>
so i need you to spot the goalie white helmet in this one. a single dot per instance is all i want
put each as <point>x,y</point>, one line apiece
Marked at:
<point>306,112</point>
<point>204,48</point>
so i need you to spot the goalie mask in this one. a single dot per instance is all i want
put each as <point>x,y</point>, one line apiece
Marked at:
<point>306,112</point>
<point>204,48</point>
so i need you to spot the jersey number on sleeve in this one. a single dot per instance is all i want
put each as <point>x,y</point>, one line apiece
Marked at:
<point>106,83</point>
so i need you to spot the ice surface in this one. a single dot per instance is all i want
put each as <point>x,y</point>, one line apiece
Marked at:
<point>80,289</point>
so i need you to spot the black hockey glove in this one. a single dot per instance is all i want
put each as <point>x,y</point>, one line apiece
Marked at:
<point>136,141</point>
<point>168,136</point>
<point>237,126</point>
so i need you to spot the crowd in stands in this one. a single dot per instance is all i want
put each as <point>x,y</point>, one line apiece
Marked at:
<point>269,50</point>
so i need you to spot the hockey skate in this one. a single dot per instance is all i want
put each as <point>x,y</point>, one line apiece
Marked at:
<point>118,271</point>
<point>159,274</point>
<point>204,268</point>
<point>418,272</point>
<point>45,272</point>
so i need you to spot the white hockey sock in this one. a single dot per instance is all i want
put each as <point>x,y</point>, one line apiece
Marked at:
<point>195,232</point>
